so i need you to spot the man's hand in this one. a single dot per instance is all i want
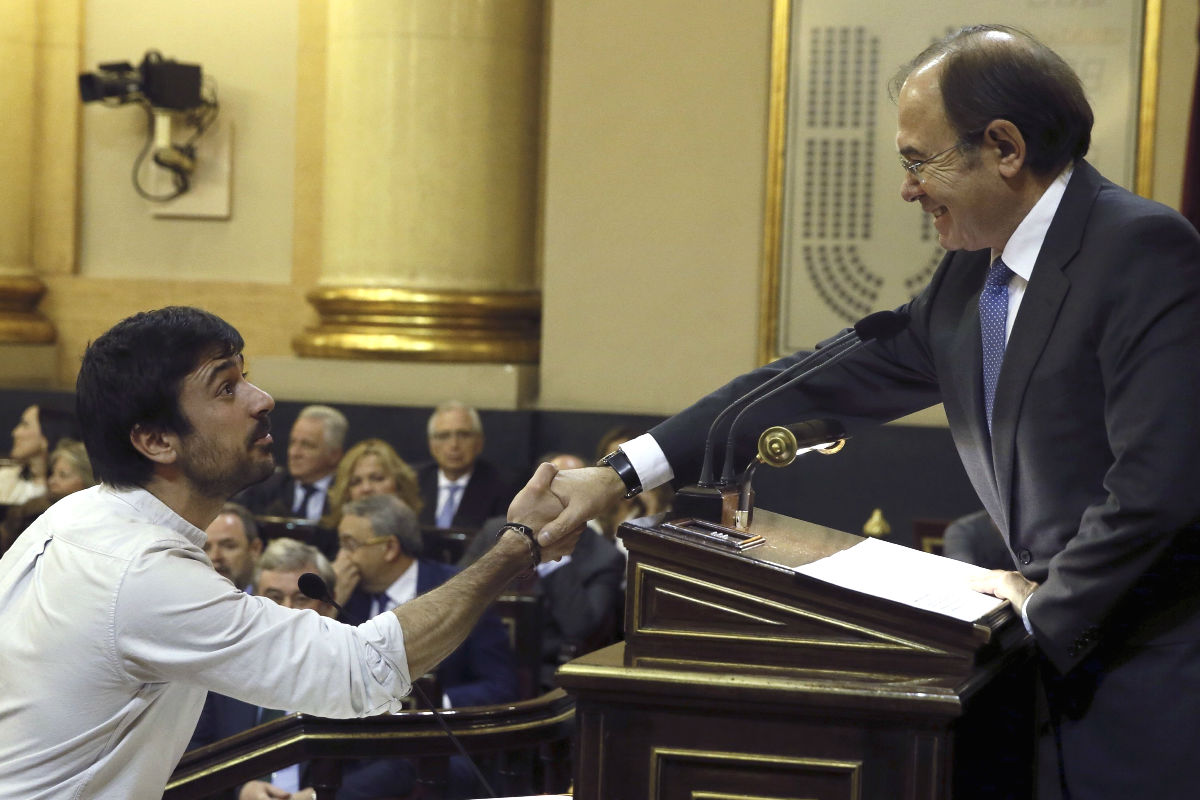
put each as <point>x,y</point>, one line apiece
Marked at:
<point>584,494</point>
<point>1011,586</point>
<point>261,790</point>
<point>347,574</point>
<point>536,505</point>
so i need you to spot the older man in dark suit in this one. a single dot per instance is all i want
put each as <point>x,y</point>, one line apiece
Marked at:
<point>1062,335</point>
<point>459,488</point>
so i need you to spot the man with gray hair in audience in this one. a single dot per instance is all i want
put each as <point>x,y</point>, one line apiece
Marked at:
<point>459,488</point>
<point>315,446</point>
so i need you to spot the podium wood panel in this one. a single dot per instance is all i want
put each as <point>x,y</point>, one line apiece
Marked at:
<point>740,678</point>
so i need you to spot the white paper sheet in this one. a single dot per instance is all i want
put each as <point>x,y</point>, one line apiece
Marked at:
<point>908,576</point>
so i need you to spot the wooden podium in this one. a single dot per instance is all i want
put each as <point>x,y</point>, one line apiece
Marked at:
<point>740,678</point>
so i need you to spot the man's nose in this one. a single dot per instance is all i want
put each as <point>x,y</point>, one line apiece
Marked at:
<point>910,188</point>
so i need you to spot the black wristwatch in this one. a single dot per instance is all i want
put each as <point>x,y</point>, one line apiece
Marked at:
<point>625,471</point>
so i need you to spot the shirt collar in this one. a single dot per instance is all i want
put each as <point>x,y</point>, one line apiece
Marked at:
<point>151,509</point>
<point>1021,251</point>
<point>404,588</point>
<point>444,482</point>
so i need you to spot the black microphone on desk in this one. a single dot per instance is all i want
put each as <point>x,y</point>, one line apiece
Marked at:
<point>313,586</point>
<point>880,325</point>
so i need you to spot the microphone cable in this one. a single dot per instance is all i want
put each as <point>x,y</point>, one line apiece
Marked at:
<point>314,587</point>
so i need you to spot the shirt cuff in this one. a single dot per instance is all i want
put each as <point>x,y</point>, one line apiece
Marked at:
<point>648,461</point>
<point>1025,616</point>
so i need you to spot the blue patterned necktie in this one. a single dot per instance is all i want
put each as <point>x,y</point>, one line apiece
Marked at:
<point>446,515</point>
<point>993,319</point>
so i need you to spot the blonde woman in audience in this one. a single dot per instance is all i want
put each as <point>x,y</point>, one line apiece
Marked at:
<point>70,471</point>
<point>371,467</point>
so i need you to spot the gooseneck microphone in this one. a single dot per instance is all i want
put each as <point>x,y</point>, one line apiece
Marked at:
<point>313,586</point>
<point>880,325</point>
<point>832,348</point>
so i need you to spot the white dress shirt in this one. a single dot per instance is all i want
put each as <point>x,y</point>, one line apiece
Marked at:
<point>115,625</point>
<point>315,508</point>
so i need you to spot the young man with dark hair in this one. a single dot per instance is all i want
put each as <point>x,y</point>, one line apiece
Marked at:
<point>115,624</point>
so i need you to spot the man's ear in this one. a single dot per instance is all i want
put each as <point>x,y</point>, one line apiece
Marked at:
<point>1005,139</point>
<point>156,444</point>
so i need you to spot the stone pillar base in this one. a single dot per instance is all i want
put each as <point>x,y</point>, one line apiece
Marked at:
<point>20,321</point>
<point>388,323</point>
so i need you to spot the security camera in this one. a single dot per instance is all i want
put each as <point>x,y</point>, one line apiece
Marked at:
<point>165,89</point>
<point>161,82</point>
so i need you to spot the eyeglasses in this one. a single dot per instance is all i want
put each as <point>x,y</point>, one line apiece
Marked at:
<point>350,544</point>
<point>914,167</point>
<point>443,436</point>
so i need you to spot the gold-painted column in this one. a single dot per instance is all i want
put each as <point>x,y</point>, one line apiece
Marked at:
<point>430,182</point>
<point>20,288</point>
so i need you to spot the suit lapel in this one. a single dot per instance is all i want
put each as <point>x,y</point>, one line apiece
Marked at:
<point>1044,296</point>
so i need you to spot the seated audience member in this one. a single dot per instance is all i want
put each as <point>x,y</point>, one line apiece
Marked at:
<point>582,592</point>
<point>371,467</point>
<point>975,539</point>
<point>70,471</point>
<point>276,577</point>
<point>233,545</point>
<point>378,567</point>
<point>302,490</point>
<point>459,488</point>
<point>35,436</point>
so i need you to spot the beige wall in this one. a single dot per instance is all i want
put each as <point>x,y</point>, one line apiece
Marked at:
<point>653,189</point>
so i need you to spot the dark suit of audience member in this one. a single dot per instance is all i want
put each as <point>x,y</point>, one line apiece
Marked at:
<point>487,494</point>
<point>976,540</point>
<point>583,602</point>
<point>582,596</point>
<point>458,488</point>
<point>480,672</point>
<point>301,491</point>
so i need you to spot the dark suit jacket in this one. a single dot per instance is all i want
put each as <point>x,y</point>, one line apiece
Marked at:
<point>222,717</point>
<point>583,603</point>
<point>1092,471</point>
<point>481,670</point>
<point>273,497</point>
<point>976,540</point>
<point>488,493</point>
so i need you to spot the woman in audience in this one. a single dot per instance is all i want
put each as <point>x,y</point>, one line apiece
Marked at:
<point>371,467</point>
<point>70,471</point>
<point>35,436</point>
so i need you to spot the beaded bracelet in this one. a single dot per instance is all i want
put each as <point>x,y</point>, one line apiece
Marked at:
<point>535,549</point>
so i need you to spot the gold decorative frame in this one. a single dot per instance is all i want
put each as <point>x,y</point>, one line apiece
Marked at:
<point>783,16</point>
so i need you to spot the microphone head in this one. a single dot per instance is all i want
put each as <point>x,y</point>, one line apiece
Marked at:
<point>312,586</point>
<point>881,325</point>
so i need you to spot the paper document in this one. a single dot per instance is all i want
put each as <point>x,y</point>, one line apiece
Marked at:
<point>908,576</point>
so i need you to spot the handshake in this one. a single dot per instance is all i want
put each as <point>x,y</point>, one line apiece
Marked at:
<point>557,505</point>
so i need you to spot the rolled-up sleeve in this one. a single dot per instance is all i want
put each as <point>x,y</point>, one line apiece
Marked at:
<point>175,619</point>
